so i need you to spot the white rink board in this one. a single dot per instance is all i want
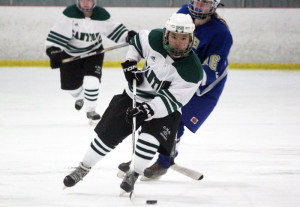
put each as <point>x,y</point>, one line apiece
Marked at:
<point>260,35</point>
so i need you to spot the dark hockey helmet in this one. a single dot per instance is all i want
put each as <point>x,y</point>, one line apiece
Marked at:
<point>182,24</point>
<point>86,10</point>
<point>200,9</point>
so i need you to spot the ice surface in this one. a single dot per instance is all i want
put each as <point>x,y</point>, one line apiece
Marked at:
<point>248,149</point>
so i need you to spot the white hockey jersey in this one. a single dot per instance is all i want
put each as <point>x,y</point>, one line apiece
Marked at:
<point>168,84</point>
<point>77,35</point>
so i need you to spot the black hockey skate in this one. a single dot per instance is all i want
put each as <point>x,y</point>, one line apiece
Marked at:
<point>129,180</point>
<point>154,172</point>
<point>93,115</point>
<point>79,104</point>
<point>123,168</point>
<point>78,174</point>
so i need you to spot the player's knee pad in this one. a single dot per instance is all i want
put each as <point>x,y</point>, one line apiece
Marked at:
<point>77,93</point>
<point>90,82</point>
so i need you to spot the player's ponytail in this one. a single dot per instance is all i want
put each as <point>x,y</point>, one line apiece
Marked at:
<point>217,16</point>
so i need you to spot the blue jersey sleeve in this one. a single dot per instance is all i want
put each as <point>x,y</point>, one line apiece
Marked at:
<point>217,57</point>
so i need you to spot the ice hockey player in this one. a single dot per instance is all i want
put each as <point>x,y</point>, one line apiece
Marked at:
<point>212,45</point>
<point>169,79</point>
<point>79,31</point>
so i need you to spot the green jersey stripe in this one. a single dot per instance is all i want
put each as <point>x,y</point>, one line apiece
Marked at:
<point>173,104</point>
<point>138,43</point>
<point>83,48</point>
<point>59,35</point>
<point>133,43</point>
<point>117,33</point>
<point>57,39</point>
<point>141,93</point>
<point>168,93</point>
<point>113,32</point>
<point>120,35</point>
<point>56,42</point>
<point>166,103</point>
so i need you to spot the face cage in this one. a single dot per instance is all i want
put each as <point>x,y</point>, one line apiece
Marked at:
<point>86,10</point>
<point>177,53</point>
<point>199,14</point>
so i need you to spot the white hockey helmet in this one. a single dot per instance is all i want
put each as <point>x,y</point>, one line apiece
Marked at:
<point>86,10</point>
<point>197,13</point>
<point>182,24</point>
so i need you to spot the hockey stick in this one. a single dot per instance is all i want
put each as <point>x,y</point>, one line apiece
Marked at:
<point>94,53</point>
<point>132,194</point>
<point>131,169</point>
<point>183,170</point>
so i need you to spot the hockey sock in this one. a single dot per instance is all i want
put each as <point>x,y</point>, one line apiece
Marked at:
<point>146,148</point>
<point>91,91</point>
<point>164,160</point>
<point>77,93</point>
<point>95,153</point>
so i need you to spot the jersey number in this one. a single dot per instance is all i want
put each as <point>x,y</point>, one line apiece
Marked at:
<point>212,61</point>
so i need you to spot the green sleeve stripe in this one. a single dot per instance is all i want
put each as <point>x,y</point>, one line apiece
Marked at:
<point>59,35</point>
<point>138,43</point>
<point>115,30</point>
<point>56,42</point>
<point>57,39</point>
<point>165,102</point>
<point>120,35</point>
<point>71,47</point>
<point>134,41</point>
<point>114,37</point>
<point>168,93</point>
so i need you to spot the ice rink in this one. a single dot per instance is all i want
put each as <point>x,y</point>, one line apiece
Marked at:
<point>248,149</point>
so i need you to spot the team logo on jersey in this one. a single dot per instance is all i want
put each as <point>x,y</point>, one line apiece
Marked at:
<point>196,43</point>
<point>152,58</point>
<point>165,133</point>
<point>98,69</point>
<point>76,24</point>
<point>194,120</point>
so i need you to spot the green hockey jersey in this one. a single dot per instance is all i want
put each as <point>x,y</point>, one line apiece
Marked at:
<point>168,84</point>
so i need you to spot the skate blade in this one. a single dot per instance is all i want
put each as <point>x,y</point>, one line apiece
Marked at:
<point>143,178</point>
<point>93,122</point>
<point>122,192</point>
<point>121,174</point>
<point>132,195</point>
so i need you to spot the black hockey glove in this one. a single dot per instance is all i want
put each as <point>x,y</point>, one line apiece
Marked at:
<point>54,54</point>
<point>130,34</point>
<point>142,112</point>
<point>131,72</point>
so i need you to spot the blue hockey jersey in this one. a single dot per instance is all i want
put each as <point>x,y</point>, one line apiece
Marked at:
<point>212,44</point>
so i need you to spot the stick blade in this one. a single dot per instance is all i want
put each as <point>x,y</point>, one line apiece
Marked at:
<point>188,172</point>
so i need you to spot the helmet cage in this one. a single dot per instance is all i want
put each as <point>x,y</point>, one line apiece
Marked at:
<point>85,10</point>
<point>198,13</point>
<point>181,24</point>
<point>177,53</point>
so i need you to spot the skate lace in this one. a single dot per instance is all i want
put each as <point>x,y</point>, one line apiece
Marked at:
<point>78,174</point>
<point>79,102</point>
<point>155,167</point>
<point>130,178</point>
